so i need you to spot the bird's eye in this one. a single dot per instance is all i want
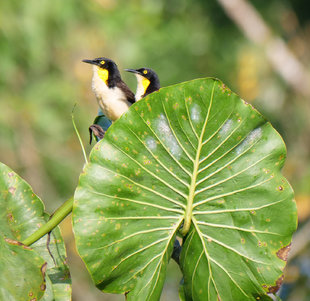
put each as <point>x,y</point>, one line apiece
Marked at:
<point>145,71</point>
<point>102,62</point>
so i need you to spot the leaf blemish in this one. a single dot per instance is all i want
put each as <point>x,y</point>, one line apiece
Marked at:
<point>10,216</point>
<point>167,135</point>
<point>226,127</point>
<point>283,252</point>
<point>175,106</point>
<point>12,189</point>
<point>151,143</point>
<point>274,289</point>
<point>195,113</point>
<point>252,137</point>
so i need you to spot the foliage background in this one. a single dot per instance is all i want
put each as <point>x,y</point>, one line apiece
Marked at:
<point>43,42</point>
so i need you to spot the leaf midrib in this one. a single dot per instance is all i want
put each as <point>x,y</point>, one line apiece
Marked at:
<point>191,195</point>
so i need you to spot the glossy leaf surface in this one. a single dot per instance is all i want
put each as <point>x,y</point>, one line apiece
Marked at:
<point>22,213</point>
<point>193,153</point>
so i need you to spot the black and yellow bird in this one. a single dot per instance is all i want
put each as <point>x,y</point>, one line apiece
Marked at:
<point>113,95</point>
<point>147,81</point>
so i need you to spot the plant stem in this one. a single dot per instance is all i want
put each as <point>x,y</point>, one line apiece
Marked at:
<point>78,135</point>
<point>63,211</point>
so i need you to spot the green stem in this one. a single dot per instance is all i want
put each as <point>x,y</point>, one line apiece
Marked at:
<point>63,211</point>
<point>78,135</point>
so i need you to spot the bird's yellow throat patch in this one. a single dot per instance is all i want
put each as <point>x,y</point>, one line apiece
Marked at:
<point>145,83</point>
<point>103,74</point>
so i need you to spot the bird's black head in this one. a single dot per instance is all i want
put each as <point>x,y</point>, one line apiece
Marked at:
<point>107,69</point>
<point>150,79</point>
<point>147,73</point>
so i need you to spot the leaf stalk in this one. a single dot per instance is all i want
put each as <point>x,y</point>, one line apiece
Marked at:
<point>60,214</point>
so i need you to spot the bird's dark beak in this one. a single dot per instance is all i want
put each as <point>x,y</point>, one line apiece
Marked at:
<point>93,62</point>
<point>133,71</point>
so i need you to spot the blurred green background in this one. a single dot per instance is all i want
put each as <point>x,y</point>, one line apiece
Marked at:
<point>43,42</point>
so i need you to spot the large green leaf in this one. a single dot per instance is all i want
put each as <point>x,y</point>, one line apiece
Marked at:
<point>196,158</point>
<point>21,214</point>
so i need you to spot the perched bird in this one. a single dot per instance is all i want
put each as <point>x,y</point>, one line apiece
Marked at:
<point>113,95</point>
<point>147,81</point>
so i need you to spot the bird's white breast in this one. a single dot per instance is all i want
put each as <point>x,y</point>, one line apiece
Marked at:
<point>112,101</point>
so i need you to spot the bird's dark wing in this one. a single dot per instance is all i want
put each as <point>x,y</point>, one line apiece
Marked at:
<point>129,94</point>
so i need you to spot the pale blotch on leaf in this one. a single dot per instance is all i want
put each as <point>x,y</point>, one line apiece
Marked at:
<point>250,139</point>
<point>151,143</point>
<point>195,113</point>
<point>167,135</point>
<point>226,127</point>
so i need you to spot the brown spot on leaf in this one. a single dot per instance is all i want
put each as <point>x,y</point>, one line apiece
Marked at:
<point>10,216</point>
<point>11,174</point>
<point>31,294</point>
<point>283,252</point>
<point>33,299</point>
<point>12,189</point>
<point>274,289</point>
<point>43,269</point>
<point>16,243</point>
<point>42,287</point>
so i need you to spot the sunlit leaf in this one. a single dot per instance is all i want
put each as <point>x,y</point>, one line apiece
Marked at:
<point>193,158</point>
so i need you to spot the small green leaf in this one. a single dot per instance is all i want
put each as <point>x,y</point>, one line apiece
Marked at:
<point>22,213</point>
<point>192,157</point>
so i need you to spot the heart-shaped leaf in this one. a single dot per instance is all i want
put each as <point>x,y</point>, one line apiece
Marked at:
<point>196,158</point>
<point>22,213</point>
